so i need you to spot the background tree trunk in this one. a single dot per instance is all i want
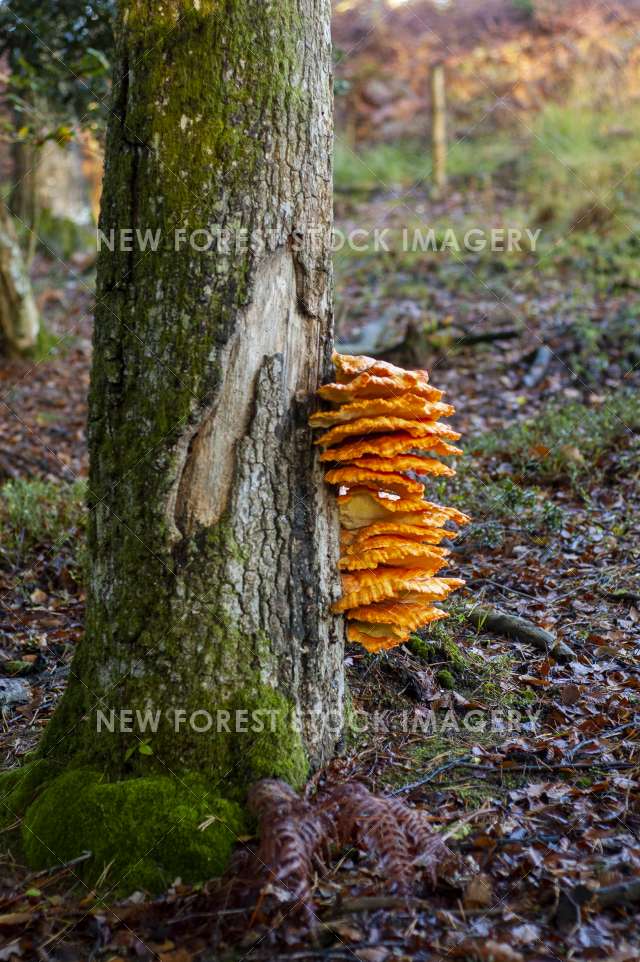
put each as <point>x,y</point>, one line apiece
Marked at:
<point>23,199</point>
<point>213,541</point>
<point>19,320</point>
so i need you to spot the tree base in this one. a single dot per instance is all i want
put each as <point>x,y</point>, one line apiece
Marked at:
<point>142,832</point>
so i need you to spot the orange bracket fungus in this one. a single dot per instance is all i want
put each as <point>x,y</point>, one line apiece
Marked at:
<point>381,433</point>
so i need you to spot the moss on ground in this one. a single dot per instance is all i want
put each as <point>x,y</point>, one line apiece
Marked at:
<point>142,825</point>
<point>440,751</point>
<point>439,646</point>
<point>142,832</point>
<point>18,786</point>
<point>446,678</point>
<point>467,672</point>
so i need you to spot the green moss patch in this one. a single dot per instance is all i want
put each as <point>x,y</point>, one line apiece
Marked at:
<point>151,826</point>
<point>274,748</point>
<point>492,680</point>
<point>142,832</point>
<point>18,787</point>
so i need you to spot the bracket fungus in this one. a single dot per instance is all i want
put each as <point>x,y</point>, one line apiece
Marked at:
<point>383,432</point>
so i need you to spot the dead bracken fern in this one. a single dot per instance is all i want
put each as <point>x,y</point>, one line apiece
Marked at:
<point>293,837</point>
<point>297,836</point>
<point>399,837</point>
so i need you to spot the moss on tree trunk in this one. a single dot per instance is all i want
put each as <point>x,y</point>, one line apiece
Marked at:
<point>212,541</point>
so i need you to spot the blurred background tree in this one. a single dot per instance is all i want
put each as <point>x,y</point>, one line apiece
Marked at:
<point>59,53</point>
<point>57,59</point>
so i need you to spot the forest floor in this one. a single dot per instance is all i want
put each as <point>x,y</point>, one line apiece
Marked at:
<point>526,759</point>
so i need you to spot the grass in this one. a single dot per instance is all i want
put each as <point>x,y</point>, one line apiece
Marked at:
<point>379,167</point>
<point>577,160</point>
<point>568,442</point>
<point>562,172</point>
<point>571,161</point>
<point>41,516</point>
<point>503,479</point>
<point>599,343</point>
<point>407,163</point>
<point>497,506</point>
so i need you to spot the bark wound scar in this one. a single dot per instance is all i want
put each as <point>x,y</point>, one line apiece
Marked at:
<point>272,324</point>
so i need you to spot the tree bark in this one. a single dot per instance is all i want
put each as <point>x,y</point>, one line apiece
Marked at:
<point>19,320</point>
<point>212,539</point>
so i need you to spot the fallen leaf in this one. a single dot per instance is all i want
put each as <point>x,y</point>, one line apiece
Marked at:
<point>374,954</point>
<point>479,893</point>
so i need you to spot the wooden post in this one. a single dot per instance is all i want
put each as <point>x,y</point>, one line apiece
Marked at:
<point>438,129</point>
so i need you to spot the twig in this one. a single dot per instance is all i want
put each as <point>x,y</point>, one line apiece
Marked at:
<point>496,584</point>
<point>456,762</point>
<point>579,766</point>
<point>621,594</point>
<point>506,768</point>
<point>59,868</point>
<point>510,840</point>
<point>451,831</point>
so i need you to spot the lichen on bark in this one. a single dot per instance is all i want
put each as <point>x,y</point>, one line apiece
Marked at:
<point>213,542</point>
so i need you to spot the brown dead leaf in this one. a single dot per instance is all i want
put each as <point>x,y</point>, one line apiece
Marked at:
<point>570,694</point>
<point>373,954</point>
<point>479,893</point>
<point>488,951</point>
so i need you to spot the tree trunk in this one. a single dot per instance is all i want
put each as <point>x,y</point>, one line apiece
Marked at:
<point>23,200</point>
<point>19,321</point>
<point>213,541</point>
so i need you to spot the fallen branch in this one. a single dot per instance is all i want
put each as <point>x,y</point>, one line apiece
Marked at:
<point>512,626</point>
<point>488,337</point>
<point>373,903</point>
<point>571,902</point>
<point>61,867</point>
<point>455,763</point>
<point>571,766</point>
<point>510,840</point>
<point>505,767</point>
<point>622,893</point>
